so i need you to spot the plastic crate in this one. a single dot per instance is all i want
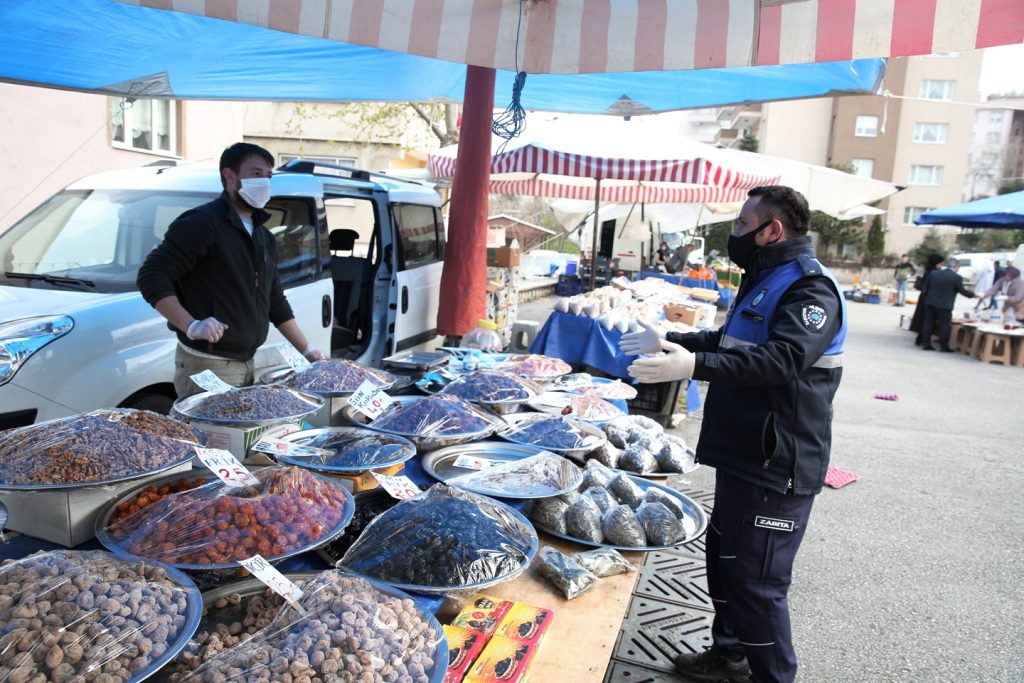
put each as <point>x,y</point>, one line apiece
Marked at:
<point>568,285</point>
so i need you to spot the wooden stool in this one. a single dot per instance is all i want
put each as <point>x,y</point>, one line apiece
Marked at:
<point>995,348</point>
<point>956,335</point>
<point>1018,353</point>
<point>971,341</point>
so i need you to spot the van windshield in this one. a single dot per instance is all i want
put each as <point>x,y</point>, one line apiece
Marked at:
<point>92,240</point>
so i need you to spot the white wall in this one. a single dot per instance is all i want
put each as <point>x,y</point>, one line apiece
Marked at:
<point>797,130</point>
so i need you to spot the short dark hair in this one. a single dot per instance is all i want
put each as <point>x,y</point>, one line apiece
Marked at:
<point>784,204</point>
<point>903,255</point>
<point>233,156</point>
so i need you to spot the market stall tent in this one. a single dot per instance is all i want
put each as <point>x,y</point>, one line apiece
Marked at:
<point>1001,211</point>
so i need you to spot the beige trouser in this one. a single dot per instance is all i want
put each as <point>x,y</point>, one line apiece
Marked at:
<point>240,373</point>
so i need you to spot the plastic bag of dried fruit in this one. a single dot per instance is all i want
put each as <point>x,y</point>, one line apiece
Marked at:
<point>443,539</point>
<point>588,408</point>
<point>67,613</point>
<point>338,376</point>
<point>537,476</point>
<point>97,446</point>
<point>546,431</point>
<point>435,416</point>
<point>491,386</point>
<point>349,629</point>
<point>539,367</point>
<point>217,525</point>
<point>614,391</point>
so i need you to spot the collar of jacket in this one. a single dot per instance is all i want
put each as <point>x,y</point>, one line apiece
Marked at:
<point>783,252</point>
<point>259,216</point>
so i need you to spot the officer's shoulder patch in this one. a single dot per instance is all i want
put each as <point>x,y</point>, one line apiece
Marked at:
<point>809,265</point>
<point>813,317</point>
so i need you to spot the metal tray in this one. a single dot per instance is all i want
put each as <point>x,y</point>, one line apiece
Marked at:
<point>183,406</point>
<point>441,466</point>
<point>108,541</point>
<point>283,374</point>
<point>695,522</point>
<point>327,437</point>
<point>423,443</point>
<point>417,360</point>
<point>576,453</point>
<point>562,400</point>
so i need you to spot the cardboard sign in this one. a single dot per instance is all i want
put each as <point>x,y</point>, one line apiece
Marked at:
<point>470,463</point>
<point>227,467</point>
<point>370,400</point>
<point>295,360</point>
<point>275,580</point>
<point>278,447</point>
<point>400,486</point>
<point>209,381</point>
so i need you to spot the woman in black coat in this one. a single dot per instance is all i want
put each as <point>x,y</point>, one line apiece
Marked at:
<point>917,321</point>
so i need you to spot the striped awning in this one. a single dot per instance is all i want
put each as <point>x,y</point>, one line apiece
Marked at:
<point>597,36</point>
<point>618,193</point>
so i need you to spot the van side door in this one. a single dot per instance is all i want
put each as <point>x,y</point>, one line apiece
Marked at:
<point>420,259</point>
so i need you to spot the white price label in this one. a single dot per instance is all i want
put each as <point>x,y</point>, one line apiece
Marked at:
<point>226,467</point>
<point>273,446</point>
<point>295,360</point>
<point>370,400</point>
<point>209,381</point>
<point>275,580</point>
<point>400,487</point>
<point>470,463</point>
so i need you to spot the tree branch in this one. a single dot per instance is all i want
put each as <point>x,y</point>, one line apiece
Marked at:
<point>423,114</point>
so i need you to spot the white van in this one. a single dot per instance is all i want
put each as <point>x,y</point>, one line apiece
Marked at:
<point>359,255</point>
<point>972,263</point>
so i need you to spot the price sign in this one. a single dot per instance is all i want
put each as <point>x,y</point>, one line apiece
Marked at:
<point>470,463</point>
<point>209,381</point>
<point>273,446</point>
<point>400,487</point>
<point>275,580</point>
<point>226,467</point>
<point>295,360</point>
<point>370,400</point>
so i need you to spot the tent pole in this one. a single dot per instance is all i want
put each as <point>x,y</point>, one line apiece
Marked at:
<point>593,250</point>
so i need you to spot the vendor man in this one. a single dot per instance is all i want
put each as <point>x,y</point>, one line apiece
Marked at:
<point>1013,287</point>
<point>214,277</point>
<point>773,369</point>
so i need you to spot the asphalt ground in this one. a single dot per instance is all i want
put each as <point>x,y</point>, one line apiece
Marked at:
<point>915,572</point>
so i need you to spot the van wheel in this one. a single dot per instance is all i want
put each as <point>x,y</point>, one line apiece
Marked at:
<point>158,403</point>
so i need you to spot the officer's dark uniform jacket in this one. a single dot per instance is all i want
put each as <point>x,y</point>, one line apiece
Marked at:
<point>773,368</point>
<point>208,260</point>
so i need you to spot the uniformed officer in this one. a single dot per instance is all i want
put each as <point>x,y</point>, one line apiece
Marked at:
<point>773,368</point>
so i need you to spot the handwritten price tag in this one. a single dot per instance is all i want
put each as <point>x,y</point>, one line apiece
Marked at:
<point>370,400</point>
<point>400,487</point>
<point>470,463</point>
<point>226,467</point>
<point>295,360</point>
<point>275,580</point>
<point>209,381</point>
<point>273,446</point>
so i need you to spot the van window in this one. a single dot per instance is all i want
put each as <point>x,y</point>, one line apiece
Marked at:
<point>418,231</point>
<point>293,223</point>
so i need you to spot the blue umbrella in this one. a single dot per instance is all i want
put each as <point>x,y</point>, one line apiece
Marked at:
<point>1002,211</point>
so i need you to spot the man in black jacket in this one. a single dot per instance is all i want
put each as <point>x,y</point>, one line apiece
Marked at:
<point>214,277</point>
<point>773,369</point>
<point>939,295</point>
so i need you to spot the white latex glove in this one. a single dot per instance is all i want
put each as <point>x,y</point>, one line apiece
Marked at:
<point>312,354</point>
<point>677,363</point>
<point>647,340</point>
<point>208,329</point>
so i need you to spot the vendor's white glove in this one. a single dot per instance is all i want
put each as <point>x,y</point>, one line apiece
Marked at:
<point>313,354</point>
<point>208,329</point>
<point>647,340</point>
<point>677,363</point>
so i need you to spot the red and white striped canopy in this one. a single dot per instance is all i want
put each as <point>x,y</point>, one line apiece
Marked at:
<point>595,36</point>
<point>618,193</point>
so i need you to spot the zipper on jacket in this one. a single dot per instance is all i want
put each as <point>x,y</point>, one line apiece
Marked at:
<point>789,486</point>
<point>766,463</point>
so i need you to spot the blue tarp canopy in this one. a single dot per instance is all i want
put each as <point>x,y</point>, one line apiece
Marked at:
<point>1001,211</point>
<point>123,50</point>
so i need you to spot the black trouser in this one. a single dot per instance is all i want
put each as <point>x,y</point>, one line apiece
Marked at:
<point>752,539</point>
<point>936,318</point>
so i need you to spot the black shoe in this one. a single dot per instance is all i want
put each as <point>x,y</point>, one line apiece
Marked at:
<point>712,665</point>
<point>946,349</point>
<point>927,348</point>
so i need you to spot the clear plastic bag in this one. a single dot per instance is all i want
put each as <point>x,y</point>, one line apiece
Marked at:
<point>591,409</point>
<point>101,445</point>
<point>491,386</point>
<point>66,613</point>
<point>602,562</point>
<point>626,490</point>
<point>641,422</point>
<point>656,495</point>
<point>218,525</point>
<point>675,457</point>
<point>555,433</point>
<point>612,391</point>
<point>617,435</point>
<point>637,459</point>
<point>336,376</point>
<point>445,538</point>
<point>248,404</point>
<point>583,520</point>
<point>602,497</point>
<point>550,514</point>
<point>596,474</point>
<point>348,627</point>
<point>621,527</point>
<point>539,367</point>
<point>660,526</point>
<point>544,474</point>
<point>607,455</point>
<point>350,449</point>
<point>563,571</point>
<point>435,416</point>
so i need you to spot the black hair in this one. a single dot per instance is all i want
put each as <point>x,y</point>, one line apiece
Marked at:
<point>784,204</point>
<point>934,260</point>
<point>233,156</point>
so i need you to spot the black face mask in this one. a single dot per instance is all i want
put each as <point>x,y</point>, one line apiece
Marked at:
<point>743,247</point>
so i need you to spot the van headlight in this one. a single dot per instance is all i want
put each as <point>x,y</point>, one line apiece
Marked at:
<point>19,339</point>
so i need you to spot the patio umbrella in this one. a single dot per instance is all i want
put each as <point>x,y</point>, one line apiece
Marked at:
<point>1001,211</point>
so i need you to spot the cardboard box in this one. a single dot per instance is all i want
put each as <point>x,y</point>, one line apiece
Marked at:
<point>483,613</point>
<point>503,257</point>
<point>503,661</point>
<point>526,623</point>
<point>235,440</point>
<point>68,516</point>
<point>683,313</point>
<point>464,646</point>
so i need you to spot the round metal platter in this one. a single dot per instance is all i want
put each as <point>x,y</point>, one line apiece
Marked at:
<point>441,466</point>
<point>578,453</point>
<point>283,374</point>
<point>327,437</point>
<point>183,408</point>
<point>694,522</point>
<point>553,402</point>
<point>111,544</point>
<point>193,615</point>
<point>425,443</point>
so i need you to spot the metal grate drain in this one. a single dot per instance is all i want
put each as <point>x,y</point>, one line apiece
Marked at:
<point>654,633</point>
<point>674,578</point>
<point>621,672</point>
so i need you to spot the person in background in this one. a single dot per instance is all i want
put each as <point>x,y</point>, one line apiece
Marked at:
<point>904,271</point>
<point>774,368</point>
<point>939,296</point>
<point>984,281</point>
<point>214,277</point>
<point>997,275</point>
<point>917,321</point>
<point>1013,287</point>
<point>661,256</point>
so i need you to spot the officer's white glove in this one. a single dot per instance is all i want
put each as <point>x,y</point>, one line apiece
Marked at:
<point>647,340</point>
<point>677,363</point>
<point>208,329</point>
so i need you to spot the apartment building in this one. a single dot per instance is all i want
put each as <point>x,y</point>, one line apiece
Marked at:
<point>996,152</point>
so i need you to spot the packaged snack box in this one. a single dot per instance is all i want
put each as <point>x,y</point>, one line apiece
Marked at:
<point>526,623</point>
<point>503,661</point>
<point>464,645</point>
<point>483,613</point>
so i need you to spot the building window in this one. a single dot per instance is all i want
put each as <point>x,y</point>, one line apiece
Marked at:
<point>848,252</point>
<point>995,116</point>
<point>937,90</point>
<point>993,137</point>
<point>912,212</point>
<point>989,158</point>
<point>146,125</point>
<point>925,175</point>
<point>935,133</point>
<point>863,167</point>
<point>867,127</point>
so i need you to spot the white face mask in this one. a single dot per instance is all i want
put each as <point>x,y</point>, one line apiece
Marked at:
<point>255,192</point>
